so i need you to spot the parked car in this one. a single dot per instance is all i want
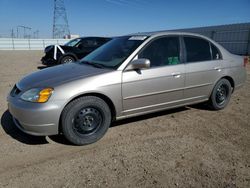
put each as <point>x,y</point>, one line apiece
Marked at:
<point>72,51</point>
<point>128,76</point>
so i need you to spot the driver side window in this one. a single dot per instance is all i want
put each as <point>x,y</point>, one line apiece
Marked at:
<point>162,51</point>
<point>87,43</point>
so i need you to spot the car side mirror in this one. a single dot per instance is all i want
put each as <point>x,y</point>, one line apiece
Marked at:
<point>138,64</point>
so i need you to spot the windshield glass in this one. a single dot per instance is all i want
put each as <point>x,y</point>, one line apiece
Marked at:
<point>72,42</point>
<point>113,53</point>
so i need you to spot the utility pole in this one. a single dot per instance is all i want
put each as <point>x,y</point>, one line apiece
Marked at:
<point>25,28</point>
<point>17,32</point>
<point>12,35</point>
<point>60,21</point>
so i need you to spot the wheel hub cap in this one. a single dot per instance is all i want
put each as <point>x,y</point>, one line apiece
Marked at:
<point>68,60</point>
<point>221,94</point>
<point>87,120</point>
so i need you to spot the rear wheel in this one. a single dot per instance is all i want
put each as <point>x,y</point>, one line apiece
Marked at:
<point>67,59</point>
<point>221,95</point>
<point>85,120</point>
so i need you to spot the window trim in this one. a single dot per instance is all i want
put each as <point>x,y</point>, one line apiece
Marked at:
<point>221,57</point>
<point>210,49</point>
<point>156,38</point>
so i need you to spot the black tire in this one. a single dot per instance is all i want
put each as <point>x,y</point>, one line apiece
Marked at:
<point>85,120</point>
<point>221,95</point>
<point>67,59</point>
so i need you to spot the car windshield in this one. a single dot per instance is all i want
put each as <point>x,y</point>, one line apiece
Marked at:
<point>112,54</point>
<point>72,42</point>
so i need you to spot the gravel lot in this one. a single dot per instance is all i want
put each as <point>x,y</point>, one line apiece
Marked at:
<point>185,147</point>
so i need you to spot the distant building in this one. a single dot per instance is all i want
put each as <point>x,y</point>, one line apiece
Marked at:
<point>234,37</point>
<point>71,36</point>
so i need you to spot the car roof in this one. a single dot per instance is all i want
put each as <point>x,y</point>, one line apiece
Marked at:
<point>94,37</point>
<point>162,33</point>
<point>165,33</point>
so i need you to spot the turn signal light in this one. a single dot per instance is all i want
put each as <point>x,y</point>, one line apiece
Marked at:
<point>44,95</point>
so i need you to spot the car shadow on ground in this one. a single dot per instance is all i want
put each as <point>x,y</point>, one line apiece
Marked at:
<point>10,128</point>
<point>201,106</point>
<point>60,139</point>
<point>148,116</point>
<point>41,67</point>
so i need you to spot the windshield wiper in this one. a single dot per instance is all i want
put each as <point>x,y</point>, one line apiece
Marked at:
<point>92,64</point>
<point>97,65</point>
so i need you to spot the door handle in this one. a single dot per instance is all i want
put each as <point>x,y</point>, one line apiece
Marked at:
<point>217,68</point>
<point>176,74</point>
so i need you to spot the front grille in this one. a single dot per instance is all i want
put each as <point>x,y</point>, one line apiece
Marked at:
<point>15,91</point>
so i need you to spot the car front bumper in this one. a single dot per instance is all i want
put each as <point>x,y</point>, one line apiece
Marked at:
<point>48,61</point>
<point>35,118</point>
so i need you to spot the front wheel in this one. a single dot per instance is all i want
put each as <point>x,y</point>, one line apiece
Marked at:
<point>85,120</point>
<point>221,94</point>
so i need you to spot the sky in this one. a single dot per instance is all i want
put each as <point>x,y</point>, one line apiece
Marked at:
<point>118,17</point>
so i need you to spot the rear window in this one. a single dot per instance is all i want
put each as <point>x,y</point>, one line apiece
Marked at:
<point>197,49</point>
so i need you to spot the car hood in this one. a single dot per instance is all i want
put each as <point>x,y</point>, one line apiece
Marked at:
<point>53,76</point>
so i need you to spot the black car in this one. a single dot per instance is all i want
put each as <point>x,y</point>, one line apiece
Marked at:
<point>72,50</point>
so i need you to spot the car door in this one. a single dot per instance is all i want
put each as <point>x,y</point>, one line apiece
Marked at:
<point>161,86</point>
<point>203,68</point>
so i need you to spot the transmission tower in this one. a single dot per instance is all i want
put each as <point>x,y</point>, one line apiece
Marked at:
<point>60,22</point>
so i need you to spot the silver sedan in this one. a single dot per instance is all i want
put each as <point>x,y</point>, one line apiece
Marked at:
<point>128,76</point>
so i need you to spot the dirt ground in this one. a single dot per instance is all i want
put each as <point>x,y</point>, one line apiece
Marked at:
<point>185,147</point>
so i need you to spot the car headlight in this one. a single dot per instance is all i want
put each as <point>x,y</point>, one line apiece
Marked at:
<point>37,95</point>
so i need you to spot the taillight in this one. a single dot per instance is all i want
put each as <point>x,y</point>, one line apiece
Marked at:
<point>245,61</point>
